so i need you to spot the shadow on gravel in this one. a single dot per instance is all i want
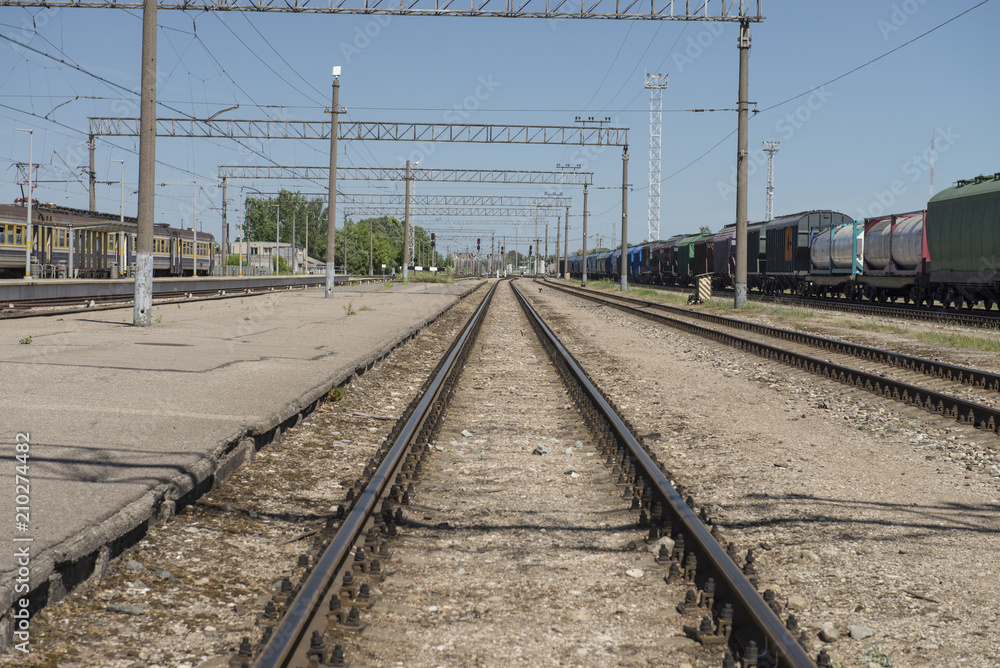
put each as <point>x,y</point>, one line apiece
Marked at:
<point>980,519</point>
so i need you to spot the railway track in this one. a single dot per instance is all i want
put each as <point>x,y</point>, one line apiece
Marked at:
<point>941,315</point>
<point>501,556</point>
<point>721,607</point>
<point>967,395</point>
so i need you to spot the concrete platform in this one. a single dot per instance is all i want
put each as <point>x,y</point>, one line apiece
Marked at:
<point>126,422</point>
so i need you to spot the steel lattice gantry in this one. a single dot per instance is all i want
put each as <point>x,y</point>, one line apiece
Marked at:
<point>469,211</point>
<point>506,176</point>
<point>658,10</point>
<point>380,199</point>
<point>494,133</point>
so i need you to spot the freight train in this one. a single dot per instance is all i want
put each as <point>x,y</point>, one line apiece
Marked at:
<point>103,245</point>
<point>947,254</point>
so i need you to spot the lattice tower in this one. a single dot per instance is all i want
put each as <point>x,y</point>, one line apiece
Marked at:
<point>655,83</point>
<point>770,147</point>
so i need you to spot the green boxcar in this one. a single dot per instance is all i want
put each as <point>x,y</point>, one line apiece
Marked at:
<point>963,232</point>
<point>685,256</point>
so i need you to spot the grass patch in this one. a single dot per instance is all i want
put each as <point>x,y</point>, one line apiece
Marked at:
<point>336,394</point>
<point>874,654</point>
<point>366,307</point>
<point>25,341</point>
<point>960,341</point>
<point>430,277</point>
<point>349,308</point>
<point>874,327</point>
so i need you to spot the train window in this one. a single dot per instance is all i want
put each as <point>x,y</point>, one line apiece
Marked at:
<point>18,235</point>
<point>3,234</point>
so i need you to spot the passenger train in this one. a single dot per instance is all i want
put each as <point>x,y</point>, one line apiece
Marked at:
<point>103,244</point>
<point>948,253</point>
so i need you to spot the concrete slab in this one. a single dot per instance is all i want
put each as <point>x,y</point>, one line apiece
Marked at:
<point>123,421</point>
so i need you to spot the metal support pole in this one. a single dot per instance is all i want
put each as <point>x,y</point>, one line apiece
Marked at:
<point>194,229</point>
<point>27,241</point>
<point>624,257</point>
<point>331,218</point>
<point>558,273</point>
<point>142,310</point>
<point>740,281</point>
<point>406,227</point>
<point>92,173</point>
<point>583,280</point>
<point>566,246</point>
<point>345,243</point>
<point>121,221</point>
<point>534,267</point>
<point>371,249</point>
<point>243,208</point>
<point>295,250</point>
<point>545,258</point>
<point>224,255</point>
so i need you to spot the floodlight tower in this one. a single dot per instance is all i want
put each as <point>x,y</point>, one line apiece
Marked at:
<point>655,83</point>
<point>770,147</point>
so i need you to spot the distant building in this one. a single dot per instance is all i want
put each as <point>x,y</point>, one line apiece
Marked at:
<point>261,254</point>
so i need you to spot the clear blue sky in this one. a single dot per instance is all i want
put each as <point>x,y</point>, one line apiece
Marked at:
<point>856,145</point>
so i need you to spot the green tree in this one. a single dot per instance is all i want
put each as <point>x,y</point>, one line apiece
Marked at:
<point>291,210</point>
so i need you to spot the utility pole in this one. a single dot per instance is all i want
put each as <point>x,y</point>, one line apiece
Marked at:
<point>225,230</point>
<point>566,246</point>
<point>31,166</point>
<point>307,241</point>
<point>740,281</point>
<point>121,219</point>
<point>277,234</point>
<point>583,276</point>
<point>345,243</point>
<point>331,217</point>
<point>295,250</point>
<point>194,228</point>
<point>534,267</point>
<point>92,174</point>
<point>243,208</point>
<point>371,249</point>
<point>142,315</point>
<point>656,83</point>
<point>406,225</point>
<point>624,257</point>
<point>770,147</point>
<point>545,258</point>
<point>558,273</point>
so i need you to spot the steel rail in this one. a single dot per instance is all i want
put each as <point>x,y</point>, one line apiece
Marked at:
<point>951,372</point>
<point>289,640</point>
<point>966,412</point>
<point>748,601</point>
<point>968,319</point>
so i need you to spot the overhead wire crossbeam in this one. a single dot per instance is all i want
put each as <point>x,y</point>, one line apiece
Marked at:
<point>505,176</point>
<point>493,133</point>
<point>468,211</point>
<point>378,199</point>
<point>656,10</point>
